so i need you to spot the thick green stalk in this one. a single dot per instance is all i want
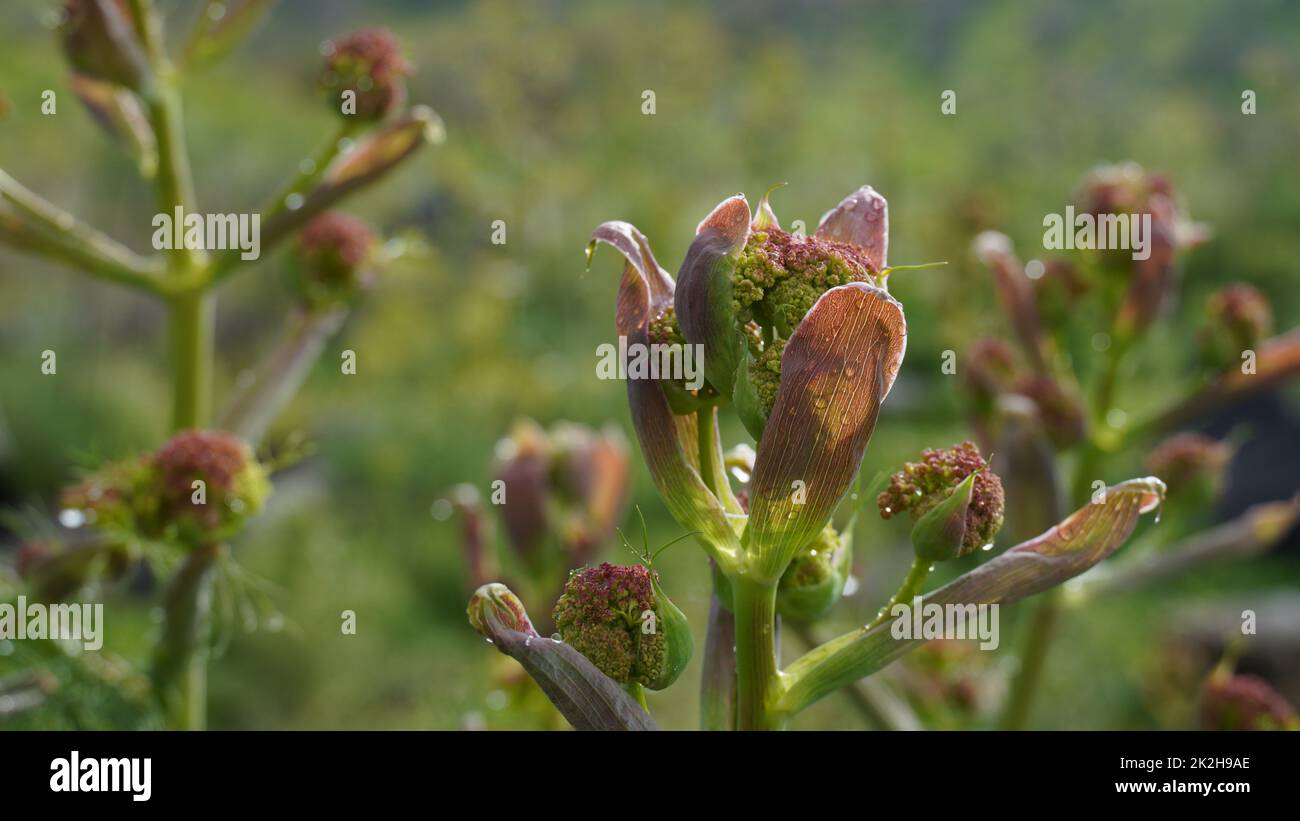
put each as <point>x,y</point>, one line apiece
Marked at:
<point>193,317</point>
<point>181,659</point>
<point>757,676</point>
<point>181,668</point>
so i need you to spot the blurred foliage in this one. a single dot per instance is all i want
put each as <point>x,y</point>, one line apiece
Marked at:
<point>543,106</point>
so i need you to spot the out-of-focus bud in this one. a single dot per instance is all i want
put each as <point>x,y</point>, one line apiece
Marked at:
<point>591,475</point>
<point>1058,292</point>
<point>333,254</point>
<point>568,487</point>
<point>480,563</point>
<point>199,488</point>
<point>989,370</point>
<point>1236,701</point>
<point>495,605</point>
<point>996,251</point>
<point>957,487</point>
<point>620,619</point>
<point>949,682</point>
<point>1126,189</point>
<point>1187,461</point>
<point>211,484</point>
<point>119,113</point>
<point>99,37</point>
<point>815,579</point>
<point>369,64</point>
<point>1059,410</point>
<point>523,466</point>
<point>53,571</point>
<point>1238,317</point>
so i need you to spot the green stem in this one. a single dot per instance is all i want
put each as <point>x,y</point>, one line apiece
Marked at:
<point>757,677</point>
<point>40,226</point>
<point>192,326</point>
<point>637,692</point>
<point>181,659</point>
<point>302,183</point>
<point>909,590</point>
<point>713,470</point>
<point>1033,659</point>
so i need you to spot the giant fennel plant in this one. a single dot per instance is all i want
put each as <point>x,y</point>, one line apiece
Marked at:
<point>800,336</point>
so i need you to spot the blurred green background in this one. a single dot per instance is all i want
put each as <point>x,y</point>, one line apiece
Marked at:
<point>543,107</point>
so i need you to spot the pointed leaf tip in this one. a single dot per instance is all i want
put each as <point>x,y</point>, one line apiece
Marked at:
<point>861,219</point>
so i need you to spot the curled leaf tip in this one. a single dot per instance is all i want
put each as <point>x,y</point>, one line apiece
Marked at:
<point>494,606</point>
<point>730,219</point>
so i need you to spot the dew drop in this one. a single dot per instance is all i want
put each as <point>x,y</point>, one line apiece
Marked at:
<point>72,518</point>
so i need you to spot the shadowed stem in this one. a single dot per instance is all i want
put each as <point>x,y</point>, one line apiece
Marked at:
<point>181,660</point>
<point>718,682</point>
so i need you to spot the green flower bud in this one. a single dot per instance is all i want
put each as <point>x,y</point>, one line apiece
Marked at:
<point>815,579</point>
<point>779,276</point>
<point>497,603</point>
<point>620,619</point>
<point>940,533</point>
<point>922,487</point>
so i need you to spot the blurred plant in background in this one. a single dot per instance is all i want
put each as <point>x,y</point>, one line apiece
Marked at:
<point>560,495</point>
<point>181,506</point>
<point>1053,407</point>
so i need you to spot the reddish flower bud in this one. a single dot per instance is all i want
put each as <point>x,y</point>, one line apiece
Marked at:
<point>333,250</point>
<point>1188,459</point>
<point>921,486</point>
<point>234,486</point>
<point>620,619</point>
<point>368,64</point>
<point>567,487</point>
